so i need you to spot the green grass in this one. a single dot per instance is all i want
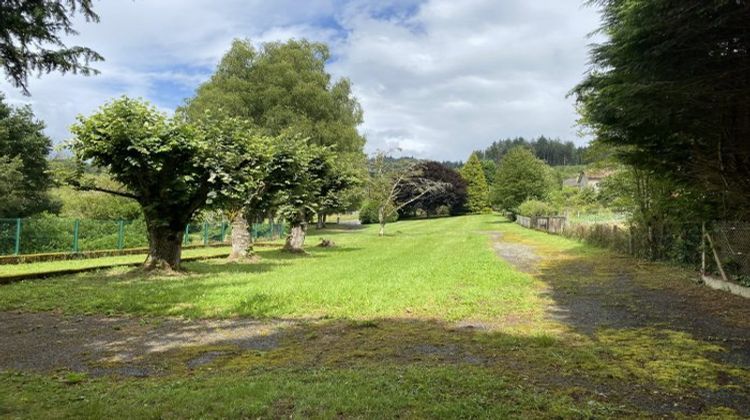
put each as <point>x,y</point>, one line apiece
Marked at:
<point>52,266</point>
<point>443,269</point>
<point>381,332</point>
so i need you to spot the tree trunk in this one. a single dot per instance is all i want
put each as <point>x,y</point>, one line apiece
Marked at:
<point>325,219</point>
<point>165,248</point>
<point>296,239</point>
<point>320,221</point>
<point>381,220</point>
<point>242,243</point>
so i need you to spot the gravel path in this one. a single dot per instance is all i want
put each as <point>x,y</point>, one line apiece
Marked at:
<point>48,341</point>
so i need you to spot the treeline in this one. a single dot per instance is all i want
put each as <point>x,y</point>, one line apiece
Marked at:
<point>668,97</point>
<point>554,152</point>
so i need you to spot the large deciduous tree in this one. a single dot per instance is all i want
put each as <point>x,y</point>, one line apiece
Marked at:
<point>670,88</point>
<point>394,184</point>
<point>23,161</point>
<point>520,176</point>
<point>284,89</point>
<point>170,167</point>
<point>452,198</point>
<point>30,38</point>
<point>477,188</point>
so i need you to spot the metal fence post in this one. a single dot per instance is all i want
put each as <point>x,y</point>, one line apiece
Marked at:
<point>76,227</point>
<point>17,248</point>
<point>205,233</point>
<point>121,234</point>
<point>186,236</point>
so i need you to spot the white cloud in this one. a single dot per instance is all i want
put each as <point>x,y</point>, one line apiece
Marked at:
<point>437,78</point>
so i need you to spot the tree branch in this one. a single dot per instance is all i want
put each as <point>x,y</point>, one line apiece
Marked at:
<point>108,191</point>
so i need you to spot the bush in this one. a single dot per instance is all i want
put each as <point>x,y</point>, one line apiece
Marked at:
<point>533,208</point>
<point>368,214</point>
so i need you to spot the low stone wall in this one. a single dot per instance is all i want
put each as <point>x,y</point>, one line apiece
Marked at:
<point>726,286</point>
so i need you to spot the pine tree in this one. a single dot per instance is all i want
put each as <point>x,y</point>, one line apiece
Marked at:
<point>478,190</point>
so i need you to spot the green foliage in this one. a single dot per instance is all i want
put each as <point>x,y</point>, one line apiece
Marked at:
<point>554,152</point>
<point>490,169</point>
<point>11,186</point>
<point>170,167</point>
<point>283,88</point>
<point>31,38</point>
<point>534,208</point>
<point>520,176</point>
<point>24,175</point>
<point>667,89</point>
<point>576,200</point>
<point>477,189</point>
<point>46,233</point>
<point>368,214</point>
<point>94,204</point>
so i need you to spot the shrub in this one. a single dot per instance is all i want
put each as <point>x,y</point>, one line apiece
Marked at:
<point>368,214</point>
<point>533,208</point>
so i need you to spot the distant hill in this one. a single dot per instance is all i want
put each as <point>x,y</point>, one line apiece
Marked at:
<point>553,151</point>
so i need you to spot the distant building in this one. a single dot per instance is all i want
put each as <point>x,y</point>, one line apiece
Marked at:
<point>590,179</point>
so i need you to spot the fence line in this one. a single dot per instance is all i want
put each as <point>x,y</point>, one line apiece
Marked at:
<point>727,251</point>
<point>51,234</point>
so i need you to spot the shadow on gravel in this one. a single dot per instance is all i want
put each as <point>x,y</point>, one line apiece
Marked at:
<point>650,319</point>
<point>654,318</point>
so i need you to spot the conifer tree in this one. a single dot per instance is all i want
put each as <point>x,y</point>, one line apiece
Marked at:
<point>478,190</point>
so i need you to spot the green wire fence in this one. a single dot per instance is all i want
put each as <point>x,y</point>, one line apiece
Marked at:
<point>52,234</point>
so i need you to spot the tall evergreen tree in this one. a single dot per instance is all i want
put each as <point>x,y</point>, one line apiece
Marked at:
<point>23,159</point>
<point>477,189</point>
<point>670,88</point>
<point>30,38</point>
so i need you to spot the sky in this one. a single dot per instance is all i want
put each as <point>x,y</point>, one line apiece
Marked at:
<point>437,79</point>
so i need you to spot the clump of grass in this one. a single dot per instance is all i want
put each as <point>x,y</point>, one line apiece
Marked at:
<point>74,378</point>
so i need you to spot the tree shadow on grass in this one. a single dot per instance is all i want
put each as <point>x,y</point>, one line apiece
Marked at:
<point>540,375</point>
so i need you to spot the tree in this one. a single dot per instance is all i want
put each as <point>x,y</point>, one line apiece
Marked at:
<point>11,186</point>
<point>389,179</point>
<point>169,166</point>
<point>520,176</point>
<point>284,89</point>
<point>307,175</point>
<point>23,157</point>
<point>553,151</point>
<point>669,88</point>
<point>336,190</point>
<point>490,169</point>
<point>246,184</point>
<point>477,189</point>
<point>30,38</point>
<point>452,198</point>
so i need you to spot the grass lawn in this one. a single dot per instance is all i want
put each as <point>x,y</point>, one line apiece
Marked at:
<point>443,270</point>
<point>51,266</point>
<point>426,322</point>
